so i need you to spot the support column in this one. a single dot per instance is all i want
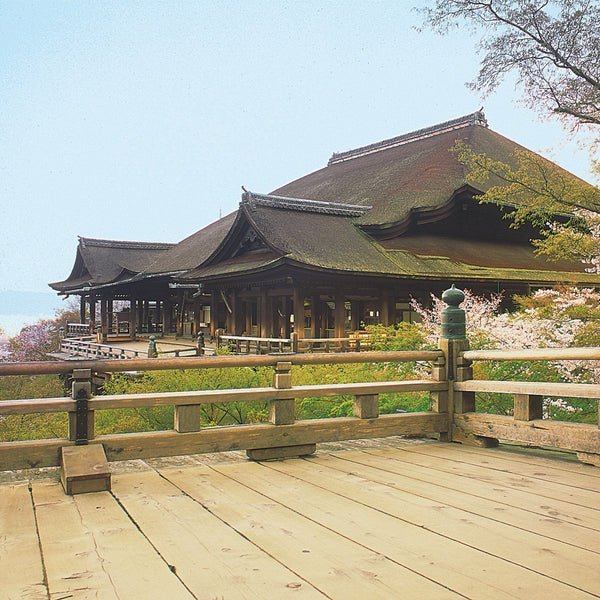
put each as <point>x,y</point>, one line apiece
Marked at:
<point>133,318</point>
<point>315,311</point>
<point>214,313</point>
<point>265,316</point>
<point>298,311</point>
<point>355,315</point>
<point>339,316</point>
<point>104,319</point>
<point>82,309</point>
<point>93,310</point>
<point>385,318</point>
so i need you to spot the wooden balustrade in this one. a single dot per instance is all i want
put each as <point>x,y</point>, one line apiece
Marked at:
<point>451,387</point>
<point>239,344</point>
<point>282,436</point>
<point>526,425</point>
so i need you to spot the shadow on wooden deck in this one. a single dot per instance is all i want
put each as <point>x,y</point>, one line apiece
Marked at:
<point>367,519</point>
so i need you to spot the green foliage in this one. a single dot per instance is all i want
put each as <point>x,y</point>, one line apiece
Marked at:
<point>564,209</point>
<point>32,427</point>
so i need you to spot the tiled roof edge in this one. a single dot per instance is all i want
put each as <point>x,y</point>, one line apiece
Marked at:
<point>476,118</point>
<point>121,244</point>
<point>329,208</point>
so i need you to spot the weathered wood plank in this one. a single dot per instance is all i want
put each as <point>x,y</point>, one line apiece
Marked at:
<point>408,540</point>
<point>485,500</point>
<point>74,567</point>
<point>21,572</point>
<point>550,489</point>
<point>43,453</point>
<point>541,432</point>
<point>566,470</point>
<point>503,489</point>
<point>206,553</point>
<point>337,566</point>
<point>101,552</point>
<point>557,559</point>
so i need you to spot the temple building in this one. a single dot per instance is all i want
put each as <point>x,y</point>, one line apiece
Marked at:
<point>346,246</point>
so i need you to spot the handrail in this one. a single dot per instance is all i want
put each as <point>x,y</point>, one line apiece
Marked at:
<point>282,436</point>
<point>527,424</point>
<point>586,353</point>
<point>213,362</point>
<point>106,402</point>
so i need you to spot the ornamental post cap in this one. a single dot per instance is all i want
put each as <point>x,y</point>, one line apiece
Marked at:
<point>453,296</point>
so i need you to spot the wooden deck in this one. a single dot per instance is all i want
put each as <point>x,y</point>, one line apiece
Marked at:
<point>391,519</point>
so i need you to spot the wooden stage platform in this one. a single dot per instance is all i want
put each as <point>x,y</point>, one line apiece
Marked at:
<point>360,520</point>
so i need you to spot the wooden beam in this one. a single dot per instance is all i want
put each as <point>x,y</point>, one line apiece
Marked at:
<point>126,446</point>
<point>578,437</point>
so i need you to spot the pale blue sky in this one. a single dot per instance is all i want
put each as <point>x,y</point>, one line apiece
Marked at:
<point>142,120</point>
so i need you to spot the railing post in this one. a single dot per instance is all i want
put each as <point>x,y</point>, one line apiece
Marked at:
<point>294,342</point>
<point>200,344</point>
<point>152,352</point>
<point>282,412</point>
<point>367,406</point>
<point>81,421</point>
<point>453,342</point>
<point>528,407</point>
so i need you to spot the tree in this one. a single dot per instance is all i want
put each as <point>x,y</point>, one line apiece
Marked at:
<point>563,208</point>
<point>553,47</point>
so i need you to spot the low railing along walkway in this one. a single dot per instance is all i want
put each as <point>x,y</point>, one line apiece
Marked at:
<point>288,437</point>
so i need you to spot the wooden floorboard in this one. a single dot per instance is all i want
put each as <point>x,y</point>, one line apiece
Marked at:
<point>383,519</point>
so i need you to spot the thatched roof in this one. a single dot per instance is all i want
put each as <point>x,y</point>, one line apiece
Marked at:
<point>102,262</point>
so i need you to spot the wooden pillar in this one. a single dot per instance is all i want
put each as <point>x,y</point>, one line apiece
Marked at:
<point>167,316</point>
<point>339,315</point>
<point>103,319</point>
<point>265,316</point>
<point>315,311</point>
<point>133,318</point>
<point>92,310</point>
<point>385,318</point>
<point>298,311</point>
<point>214,313</point>
<point>248,316</point>
<point>355,315</point>
<point>140,318</point>
<point>82,309</point>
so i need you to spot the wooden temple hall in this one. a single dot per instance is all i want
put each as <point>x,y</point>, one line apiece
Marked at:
<point>327,254</point>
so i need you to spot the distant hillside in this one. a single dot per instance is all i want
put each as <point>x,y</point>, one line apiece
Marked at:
<point>29,303</point>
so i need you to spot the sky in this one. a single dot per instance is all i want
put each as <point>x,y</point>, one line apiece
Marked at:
<point>142,120</point>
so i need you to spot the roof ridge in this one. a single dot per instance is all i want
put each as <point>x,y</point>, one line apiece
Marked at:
<point>303,205</point>
<point>476,118</point>
<point>124,244</point>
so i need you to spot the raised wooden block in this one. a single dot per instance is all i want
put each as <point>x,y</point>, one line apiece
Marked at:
<point>280,452</point>
<point>84,469</point>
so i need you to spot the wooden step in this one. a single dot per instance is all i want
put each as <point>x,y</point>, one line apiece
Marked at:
<point>84,469</point>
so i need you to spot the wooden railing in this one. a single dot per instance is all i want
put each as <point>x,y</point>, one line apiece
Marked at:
<point>238,344</point>
<point>451,387</point>
<point>89,348</point>
<point>78,329</point>
<point>281,436</point>
<point>526,425</point>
